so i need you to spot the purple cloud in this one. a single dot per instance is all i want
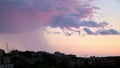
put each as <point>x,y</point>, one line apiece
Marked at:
<point>28,15</point>
<point>93,24</point>
<point>64,21</point>
<point>108,32</point>
<point>88,31</point>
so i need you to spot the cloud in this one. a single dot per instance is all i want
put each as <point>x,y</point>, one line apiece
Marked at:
<point>93,24</point>
<point>108,32</point>
<point>113,31</point>
<point>29,15</point>
<point>101,32</point>
<point>69,21</point>
<point>89,31</point>
<point>64,21</point>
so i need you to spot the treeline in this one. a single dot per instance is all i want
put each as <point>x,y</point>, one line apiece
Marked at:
<point>40,59</point>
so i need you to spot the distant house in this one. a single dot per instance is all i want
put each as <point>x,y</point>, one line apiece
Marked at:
<point>2,52</point>
<point>58,54</point>
<point>5,62</point>
<point>0,60</point>
<point>15,53</point>
<point>6,66</point>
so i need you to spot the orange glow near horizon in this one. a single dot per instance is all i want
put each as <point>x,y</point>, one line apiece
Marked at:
<point>99,45</point>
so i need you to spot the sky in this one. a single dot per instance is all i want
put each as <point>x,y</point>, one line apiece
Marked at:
<point>81,27</point>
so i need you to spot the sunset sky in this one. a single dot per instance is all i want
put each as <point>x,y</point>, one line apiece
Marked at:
<point>81,27</point>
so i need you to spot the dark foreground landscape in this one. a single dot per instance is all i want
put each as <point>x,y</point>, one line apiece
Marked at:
<point>40,59</point>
